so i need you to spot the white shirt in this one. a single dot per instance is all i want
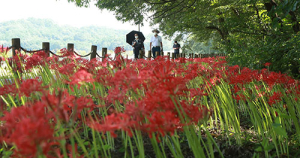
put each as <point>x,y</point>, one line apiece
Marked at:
<point>156,41</point>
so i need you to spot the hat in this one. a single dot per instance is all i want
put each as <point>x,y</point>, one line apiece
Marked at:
<point>155,30</point>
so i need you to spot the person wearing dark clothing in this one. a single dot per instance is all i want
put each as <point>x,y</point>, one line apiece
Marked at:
<point>137,45</point>
<point>176,48</point>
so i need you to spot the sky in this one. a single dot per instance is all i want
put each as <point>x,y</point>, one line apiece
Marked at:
<point>63,13</point>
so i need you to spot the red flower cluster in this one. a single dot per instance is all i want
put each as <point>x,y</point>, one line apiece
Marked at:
<point>39,58</point>
<point>26,88</point>
<point>16,62</point>
<point>149,96</point>
<point>3,49</point>
<point>119,50</point>
<point>153,110</point>
<point>30,129</point>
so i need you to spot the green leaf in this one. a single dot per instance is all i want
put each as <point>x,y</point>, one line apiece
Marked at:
<point>106,147</point>
<point>259,149</point>
<point>295,6</point>
<point>278,128</point>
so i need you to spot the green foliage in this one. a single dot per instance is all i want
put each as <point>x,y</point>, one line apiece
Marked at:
<point>252,32</point>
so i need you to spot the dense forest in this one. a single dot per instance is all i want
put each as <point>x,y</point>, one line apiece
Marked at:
<point>33,32</point>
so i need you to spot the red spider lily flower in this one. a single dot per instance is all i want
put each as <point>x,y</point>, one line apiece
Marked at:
<point>233,69</point>
<point>3,106</point>
<point>245,76</point>
<point>63,104</point>
<point>115,94</point>
<point>103,76</point>
<point>53,62</point>
<point>17,61</point>
<point>30,129</point>
<point>3,49</point>
<point>275,98</point>
<point>115,122</point>
<point>273,78</point>
<point>119,50</point>
<point>30,85</point>
<point>67,53</point>
<point>38,58</point>
<point>81,76</point>
<point>195,112</point>
<point>68,69</point>
<point>239,97</point>
<point>8,89</point>
<point>26,87</point>
<point>162,122</point>
<point>118,62</point>
<point>267,64</point>
<point>197,92</point>
<point>92,64</point>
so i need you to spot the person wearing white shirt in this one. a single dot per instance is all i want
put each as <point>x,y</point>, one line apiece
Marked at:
<point>156,43</point>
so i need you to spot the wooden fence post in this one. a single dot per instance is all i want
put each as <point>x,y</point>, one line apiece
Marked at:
<point>173,56</point>
<point>16,45</point>
<point>46,48</point>
<point>104,52</point>
<point>168,55</point>
<point>149,54</point>
<point>70,47</point>
<point>162,53</point>
<point>94,52</point>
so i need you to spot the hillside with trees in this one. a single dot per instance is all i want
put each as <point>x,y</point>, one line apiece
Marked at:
<point>33,32</point>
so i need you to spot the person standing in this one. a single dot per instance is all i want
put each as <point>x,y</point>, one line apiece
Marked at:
<point>156,43</point>
<point>137,45</point>
<point>176,48</point>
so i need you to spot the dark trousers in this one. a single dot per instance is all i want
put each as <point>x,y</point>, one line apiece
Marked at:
<point>154,50</point>
<point>136,53</point>
<point>176,54</point>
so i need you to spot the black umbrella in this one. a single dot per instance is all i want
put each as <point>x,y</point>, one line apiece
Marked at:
<point>130,36</point>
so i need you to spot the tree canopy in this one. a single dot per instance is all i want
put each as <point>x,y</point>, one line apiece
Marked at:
<point>252,32</point>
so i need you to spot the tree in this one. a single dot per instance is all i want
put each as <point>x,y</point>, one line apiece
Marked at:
<point>257,31</point>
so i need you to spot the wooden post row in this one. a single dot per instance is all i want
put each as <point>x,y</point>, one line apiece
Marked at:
<point>16,45</point>
<point>173,56</point>
<point>94,52</point>
<point>46,47</point>
<point>70,47</point>
<point>104,52</point>
<point>140,54</point>
<point>149,54</point>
